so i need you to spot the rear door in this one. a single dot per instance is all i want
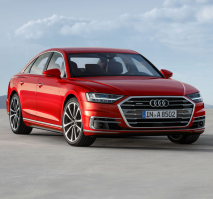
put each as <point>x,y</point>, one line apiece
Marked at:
<point>27,84</point>
<point>49,101</point>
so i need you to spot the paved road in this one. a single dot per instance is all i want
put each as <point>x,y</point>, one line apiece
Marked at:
<point>42,165</point>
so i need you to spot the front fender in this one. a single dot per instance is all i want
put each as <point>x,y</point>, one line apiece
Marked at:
<point>73,90</point>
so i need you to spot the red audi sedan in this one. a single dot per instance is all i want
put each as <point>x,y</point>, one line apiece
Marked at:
<point>86,93</point>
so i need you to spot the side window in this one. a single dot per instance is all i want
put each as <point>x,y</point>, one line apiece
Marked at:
<point>38,66</point>
<point>27,70</point>
<point>57,61</point>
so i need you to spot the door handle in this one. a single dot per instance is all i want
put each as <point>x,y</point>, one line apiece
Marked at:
<point>21,82</point>
<point>40,85</point>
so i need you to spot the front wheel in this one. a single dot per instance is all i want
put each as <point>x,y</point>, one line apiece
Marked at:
<point>183,139</point>
<point>73,125</point>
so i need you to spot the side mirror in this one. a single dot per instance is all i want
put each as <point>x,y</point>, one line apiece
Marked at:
<point>166,73</point>
<point>52,73</point>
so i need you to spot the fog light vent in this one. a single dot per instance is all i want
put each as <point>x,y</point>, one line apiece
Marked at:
<point>198,122</point>
<point>104,123</point>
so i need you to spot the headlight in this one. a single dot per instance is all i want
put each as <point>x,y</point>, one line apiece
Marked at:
<point>196,97</point>
<point>102,97</point>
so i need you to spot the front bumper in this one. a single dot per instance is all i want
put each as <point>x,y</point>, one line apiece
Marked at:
<point>143,132</point>
<point>111,113</point>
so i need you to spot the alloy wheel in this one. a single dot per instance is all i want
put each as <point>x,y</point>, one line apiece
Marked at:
<point>72,122</point>
<point>14,113</point>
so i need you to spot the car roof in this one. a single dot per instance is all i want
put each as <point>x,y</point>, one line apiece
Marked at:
<point>93,50</point>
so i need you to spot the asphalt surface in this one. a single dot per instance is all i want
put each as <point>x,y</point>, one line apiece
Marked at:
<point>42,165</point>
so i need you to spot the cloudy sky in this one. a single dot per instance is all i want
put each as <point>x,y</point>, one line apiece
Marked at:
<point>173,34</point>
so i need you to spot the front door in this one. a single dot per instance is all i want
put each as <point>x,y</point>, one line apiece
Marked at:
<point>49,101</point>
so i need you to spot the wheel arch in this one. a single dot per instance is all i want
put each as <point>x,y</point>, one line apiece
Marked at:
<point>67,97</point>
<point>12,93</point>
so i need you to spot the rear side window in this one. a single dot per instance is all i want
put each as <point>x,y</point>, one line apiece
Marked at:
<point>39,65</point>
<point>57,62</point>
<point>27,70</point>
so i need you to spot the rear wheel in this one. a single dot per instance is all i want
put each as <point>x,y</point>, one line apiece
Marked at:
<point>15,116</point>
<point>183,139</point>
<point>73,125</point>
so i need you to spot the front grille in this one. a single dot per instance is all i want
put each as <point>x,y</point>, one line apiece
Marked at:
<point>132,108</point>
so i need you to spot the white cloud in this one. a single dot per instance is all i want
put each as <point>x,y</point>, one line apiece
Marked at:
<point>205,15</point>
<point>202,1</point>
<point>176,3</point>
<point>46,27</point>
<point>85,28</point>
<point>162,34</point>
<point>180,14</point>
<point>182,24</point>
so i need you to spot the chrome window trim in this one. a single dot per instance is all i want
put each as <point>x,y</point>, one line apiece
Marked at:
<point>42,122</point>
<point>28,66</point>
<point>33,61</point>
<point>124,118</point>
<point>52,51</point>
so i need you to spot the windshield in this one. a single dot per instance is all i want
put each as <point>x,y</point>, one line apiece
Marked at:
<point>110,64</point>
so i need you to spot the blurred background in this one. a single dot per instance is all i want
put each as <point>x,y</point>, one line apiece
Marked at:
<point>173,34</point>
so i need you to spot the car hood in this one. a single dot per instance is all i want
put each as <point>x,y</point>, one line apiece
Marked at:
<point>136,86</point>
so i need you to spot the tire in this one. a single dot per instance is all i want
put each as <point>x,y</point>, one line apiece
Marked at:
<point>15,117</point>
<point>73,125</point>
<point>183,139</point>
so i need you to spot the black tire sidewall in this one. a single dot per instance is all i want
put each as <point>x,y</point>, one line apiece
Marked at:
<point>184,139</point>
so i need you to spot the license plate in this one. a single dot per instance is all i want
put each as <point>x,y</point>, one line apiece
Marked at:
<point>159,114</point>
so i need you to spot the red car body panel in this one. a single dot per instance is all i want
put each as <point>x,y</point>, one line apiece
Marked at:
<point>137,86</point>
<point>48,96</point>
<point>42,106</point>
<point>27,94</point>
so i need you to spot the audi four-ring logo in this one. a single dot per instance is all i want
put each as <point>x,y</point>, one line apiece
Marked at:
<point>159,103</point>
